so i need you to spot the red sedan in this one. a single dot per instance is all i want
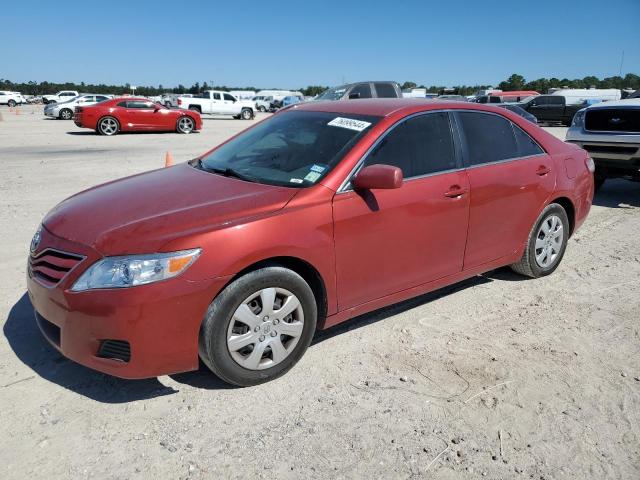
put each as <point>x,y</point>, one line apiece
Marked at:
<point>135,115</point>
<point>318,214</point>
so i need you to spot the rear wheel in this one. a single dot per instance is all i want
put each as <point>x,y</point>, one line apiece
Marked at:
<point>108,126</point>
<point>195,108</point>
<point>262,109</point>
<point>259,326</point>
<point>66,114</point>
<point>546,244</point>
<point>246,114</point>
<point>185,124</point>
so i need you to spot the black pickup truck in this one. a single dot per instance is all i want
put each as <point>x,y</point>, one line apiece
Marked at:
<point>551,108</point>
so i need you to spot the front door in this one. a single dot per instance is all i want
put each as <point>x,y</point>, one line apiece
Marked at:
<point>390,240</point>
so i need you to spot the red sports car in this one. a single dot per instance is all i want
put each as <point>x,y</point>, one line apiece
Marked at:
<point>322,212</point>
<point>135,115</point>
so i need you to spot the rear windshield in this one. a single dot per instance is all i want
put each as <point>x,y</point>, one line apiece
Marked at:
<point>294,149</point>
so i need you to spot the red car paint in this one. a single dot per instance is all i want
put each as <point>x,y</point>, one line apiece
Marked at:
<point>431,232</point>
<point>157,119</point>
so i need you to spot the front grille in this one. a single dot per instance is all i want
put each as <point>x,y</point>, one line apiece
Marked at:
<point>48,329</point>
<point>612,120</point>
<point>115,350</point>
<point>50,266</point>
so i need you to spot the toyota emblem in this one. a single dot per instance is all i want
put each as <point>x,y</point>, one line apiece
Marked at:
<point>35,241</point>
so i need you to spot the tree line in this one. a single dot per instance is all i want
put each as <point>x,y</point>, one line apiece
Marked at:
<point>514,82</point>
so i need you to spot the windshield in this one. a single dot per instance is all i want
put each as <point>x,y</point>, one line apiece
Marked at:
<point>334,93</point>
<point>527,99</point>
<point>294,149</point>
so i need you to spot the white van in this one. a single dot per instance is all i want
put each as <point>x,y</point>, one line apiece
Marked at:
<point>278,94</point>
<point>243,94</point>
<point>576,96</point>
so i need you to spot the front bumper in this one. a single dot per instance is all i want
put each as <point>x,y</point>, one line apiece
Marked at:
<point>160,322</point>
<point>51,113</point>
<point>617,154</point>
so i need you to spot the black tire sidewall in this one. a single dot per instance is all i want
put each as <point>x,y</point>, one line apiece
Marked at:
<point>193,124</point>
<point>552,209</point>
<point>243,114</point>
<point>100,127</point>
<point>213,334</point>
<point>62,114</point>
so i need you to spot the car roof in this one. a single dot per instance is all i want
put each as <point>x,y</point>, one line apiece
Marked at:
<point>384,107</point>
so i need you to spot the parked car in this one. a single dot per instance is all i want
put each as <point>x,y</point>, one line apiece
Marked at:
<point>290,100</point>
<point>61,96</point>
<point>313,216</point>
<point>359,90</point>
<point>133,114</point>
<point>263,103</point>
<point>578,96</point>
<point>452,98</point>
<point>64,110</point>
<point>519,111</point>
<point>219,103</point>
<point>550,108</point>
<point>11,98</point>
<point>610,132</point>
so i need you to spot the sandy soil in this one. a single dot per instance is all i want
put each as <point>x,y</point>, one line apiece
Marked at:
<point>497,377</point>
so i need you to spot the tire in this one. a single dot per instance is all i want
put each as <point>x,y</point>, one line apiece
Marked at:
<point>534,264</point>
<point>246,114</point>
<point>598,180</point>
<point>11,103</point>
<point>243,298</point>
<point>262,109</point>
<point>185,124</point>
<point>195,108</point>
<point>108,126</point>
<point>65,114</point>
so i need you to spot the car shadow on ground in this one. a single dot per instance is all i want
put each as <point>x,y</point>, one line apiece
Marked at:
<point>618,193</point>
<point>33,350</point>
<point>94,133</point>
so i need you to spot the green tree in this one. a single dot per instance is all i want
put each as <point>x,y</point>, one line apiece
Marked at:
<point>408,85</point>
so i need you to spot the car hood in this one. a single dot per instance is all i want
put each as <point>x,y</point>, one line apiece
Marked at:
<point>142,213</point>
<point>630,103</point>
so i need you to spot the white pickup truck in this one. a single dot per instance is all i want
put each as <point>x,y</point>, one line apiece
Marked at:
<point>215,102</point>
<point>61,96</point>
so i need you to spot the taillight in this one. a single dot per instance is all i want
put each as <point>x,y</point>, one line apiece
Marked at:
<point>591,166</point>
<point>179,102</point>
<point>78,109</point>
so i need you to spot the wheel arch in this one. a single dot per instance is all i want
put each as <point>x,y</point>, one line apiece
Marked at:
<point>568,206</point>
<point>307,271</point>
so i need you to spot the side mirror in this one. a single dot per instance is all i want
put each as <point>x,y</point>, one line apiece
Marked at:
<point>377,177</point>
<point>354,95</point>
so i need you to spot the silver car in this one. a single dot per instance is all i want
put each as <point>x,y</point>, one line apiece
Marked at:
<point>65,110</point>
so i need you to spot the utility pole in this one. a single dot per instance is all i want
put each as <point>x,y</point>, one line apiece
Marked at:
<point>621,63</point>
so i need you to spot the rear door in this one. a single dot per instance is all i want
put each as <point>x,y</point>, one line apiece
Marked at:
<point>510,179</point>
<point>216,103</point>
<point>390,240</point>
<point>555,111</point>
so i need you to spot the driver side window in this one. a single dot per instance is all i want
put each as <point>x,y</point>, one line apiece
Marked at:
<point>420,145</point>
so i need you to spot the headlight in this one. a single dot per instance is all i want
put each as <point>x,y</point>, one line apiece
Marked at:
<point>132,270</point>
<point>578,119</point>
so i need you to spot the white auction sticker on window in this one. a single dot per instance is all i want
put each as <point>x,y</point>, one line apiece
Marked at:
<point>350,123</point>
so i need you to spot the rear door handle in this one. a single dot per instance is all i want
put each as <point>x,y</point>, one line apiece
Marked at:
<point>543,170</point>
<point>455,191</point>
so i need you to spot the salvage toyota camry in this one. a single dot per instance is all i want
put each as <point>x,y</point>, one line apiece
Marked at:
<point>320,213</point>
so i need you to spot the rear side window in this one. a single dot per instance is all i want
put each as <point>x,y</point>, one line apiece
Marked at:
<point>418,146</point>
<point>362,90</point>
<point>216,96</point>
<point>540,101</point>
<point>490,138</point>
<point>526,145</point>
<point>556,100</point>
<point>385,90</point>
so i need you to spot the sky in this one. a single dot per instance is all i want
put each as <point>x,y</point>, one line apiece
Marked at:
<point>292,44</point>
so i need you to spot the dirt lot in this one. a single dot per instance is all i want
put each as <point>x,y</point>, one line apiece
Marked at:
<point>498,377</point>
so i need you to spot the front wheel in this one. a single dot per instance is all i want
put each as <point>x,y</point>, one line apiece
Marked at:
<point>11,103</point>
<point>108,126</point>
<point>262,109</point>
<point>546,243</point>
<point>258,327</point>
<point>185,125</point>
<point>66,114</point>
<point>246,114</point>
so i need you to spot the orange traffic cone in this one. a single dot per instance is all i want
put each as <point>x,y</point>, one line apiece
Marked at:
<point>168,159</point>
<point>17,110</point>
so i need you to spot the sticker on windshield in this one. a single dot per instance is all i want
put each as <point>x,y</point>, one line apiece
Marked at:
<point>296,180</point>
<point>312,176</point>
<point>350,123</point>
<point>318,168</point>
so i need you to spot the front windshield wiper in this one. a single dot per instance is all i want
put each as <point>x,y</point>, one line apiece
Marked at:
<point>227,172</point>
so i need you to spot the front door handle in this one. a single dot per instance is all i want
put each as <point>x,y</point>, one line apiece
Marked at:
<point>455,191</point>
<point>542,170</point>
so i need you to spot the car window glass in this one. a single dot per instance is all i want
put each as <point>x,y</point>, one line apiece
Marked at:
<point>100,98</point>
<point>526,145</point>
<point>490,137</point>
<point>541,101</point>
<point>385,90</point>
<point>216,96</point>
<point>122,104</point>
<point>229,97</point>
<point>363,89</point>
<point>418,146</point>
<point>139,104</point>
<point>556,100</point>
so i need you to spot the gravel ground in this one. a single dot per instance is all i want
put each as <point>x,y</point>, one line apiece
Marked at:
<point>497,377</point>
